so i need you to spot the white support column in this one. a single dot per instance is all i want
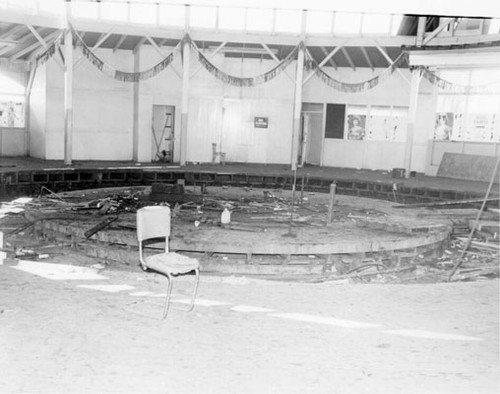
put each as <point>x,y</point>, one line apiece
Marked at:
<point>136,99</point>
<point>27,110</point>
<point>412,115</point>
<point>299,76</point>
<point>186,51</point>
<point>68,89</point>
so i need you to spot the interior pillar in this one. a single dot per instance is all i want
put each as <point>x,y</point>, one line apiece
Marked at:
<point>185,101</point>
<point>135,128</point>
<point>68,89</point>
<point>412,111</point>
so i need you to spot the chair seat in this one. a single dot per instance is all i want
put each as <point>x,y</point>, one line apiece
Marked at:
<point>172,263</point>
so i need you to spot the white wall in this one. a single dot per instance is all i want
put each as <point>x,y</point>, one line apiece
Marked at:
<point>12,139</point>
<point>218,113</point>
<point>38,114</point>
<point>102,110</point>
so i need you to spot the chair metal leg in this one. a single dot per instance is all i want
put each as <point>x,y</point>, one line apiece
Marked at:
<point>167,299</point>
<point>195,289</point>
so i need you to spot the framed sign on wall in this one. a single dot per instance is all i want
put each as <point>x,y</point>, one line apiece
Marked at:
<point>260,122</point>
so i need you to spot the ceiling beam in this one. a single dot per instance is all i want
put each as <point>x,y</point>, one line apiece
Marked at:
<point>12,32</point>
<point>422,21</point>
<point>367,58</point>
<point>217,50</point>
<point>390,61</point>
<point>119,43</point>
<point>438,30</point>
<point>330,58</point>
<point>33,46</point>
<point>42,41</point>
<point>325,60</point>
<point>103,37</point>
<point>139,44</point>
<point>162,55</point>
<point>275,58</point>
<point>348,57</point>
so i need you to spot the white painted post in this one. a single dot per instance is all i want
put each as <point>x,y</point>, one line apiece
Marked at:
<point>68,89</point>
<point>299,76</point>
<point>135,128</point>
<point>412,111</point>
<point>186,48</point>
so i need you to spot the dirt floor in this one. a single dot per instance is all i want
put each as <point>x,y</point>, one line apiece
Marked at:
<point>245,335</point>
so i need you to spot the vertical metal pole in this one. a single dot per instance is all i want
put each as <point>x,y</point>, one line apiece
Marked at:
<point>333,191</point>
<point>68,89</point>
<point>412,111</point>
<point>186,48</point>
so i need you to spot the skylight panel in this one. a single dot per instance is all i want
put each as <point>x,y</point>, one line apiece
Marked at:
<point>347,23</point>
<point>144,14</point>
<point>84,10</point>
<point>288,21</point>
<point>114,11</point>
<point>231,18</point>
<point>172,15</point>
<point>319,22</point>
<point>260,19</point>
<point>376,24</point>
<point>204,17</point>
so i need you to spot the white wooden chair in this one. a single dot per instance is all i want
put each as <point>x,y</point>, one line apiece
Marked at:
<point>153,226</point>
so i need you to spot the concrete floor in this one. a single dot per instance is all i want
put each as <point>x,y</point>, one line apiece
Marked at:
<point>244,336</point>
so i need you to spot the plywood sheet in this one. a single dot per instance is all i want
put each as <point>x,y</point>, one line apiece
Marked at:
<point>470,167</point>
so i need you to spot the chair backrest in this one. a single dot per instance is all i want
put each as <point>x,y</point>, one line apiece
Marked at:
<point>153,222</point>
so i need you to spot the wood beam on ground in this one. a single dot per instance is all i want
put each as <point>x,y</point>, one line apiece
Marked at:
<point>348,57</point>
<point>367,58</point>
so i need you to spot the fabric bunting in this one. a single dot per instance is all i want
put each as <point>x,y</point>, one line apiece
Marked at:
<point>251,81</point>
<point>312,65</point>
<point>26,66</point>
<point>443,84</point>
<point>122,75</point>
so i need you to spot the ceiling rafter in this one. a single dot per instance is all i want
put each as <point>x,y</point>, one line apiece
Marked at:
<point>217,50</point>
<point>119,42</point>
<point>330,59</point>
<point>162,54</point>
<point>275,58</point>
<point>439,29</point>
<point>42,41</point>
<point>367,58</point>
<point>325,60</point>
<point>390,61</point>
<point>33,46</point>
<point>348,57</point>
<point>102,37</point>
<point>139,44</point>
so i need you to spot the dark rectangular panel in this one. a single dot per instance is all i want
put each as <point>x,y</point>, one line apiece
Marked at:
<point>335,120</point>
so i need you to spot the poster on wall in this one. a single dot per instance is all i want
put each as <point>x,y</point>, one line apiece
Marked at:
<point>11,114</point>
<point>356,127</point>
<point>378,128</point>
<point>481,127</point>
<point>443,126</point>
